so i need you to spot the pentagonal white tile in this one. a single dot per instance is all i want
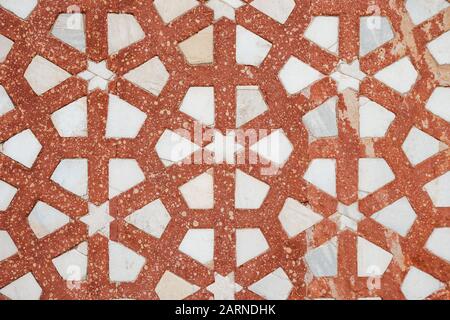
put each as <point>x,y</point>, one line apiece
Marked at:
<point>43,75</point>
<point>440,48</point>
<point>199,245</point>
<point>71,120</point>
<point>439,103</point>
<point>251,49</point>
<point>199,104</point>
<point>151,76</point>
<point>125,265</point>
<point>322,261</point>
<point>439,243</point>
<point>172,287</point>
<point>438,190</point>
<point>418,285</point>
<point>374,31</point>
<point>374,120</point>
<point>419,146</point>
<point>21,8</point>
<point>123,30</point>
<point>398,216</point>
<point>5,46</point>
<point>172,148</point>
<point>276,147</point>
<point>124,174</point>
<point>45,219</point>
<point>250,192</point>
<point>124,120</point>
<point>199,192</point>
<point>6,104</point>
<point>400,75</point>
<point>172,9</point>
<point>275,286</point>
<point>199,49</point>
<point>322,174</point>
<point>372,260</point>
<point>152,218</point>
<point>72,175</point>
<point>422,10</point>
<point>250,243</point>
<point>374,173</point>
<point>72,265</point>
<point>24,148</point>
<point>7,193</point>
<point>321,122</point>
<point>249,104</point>
<point>278,10</point>
<point>70,28</point>
<point>24,288</point>
<point>324,31</point>
<point>297,75</point>
<point>224,8</point>
<point>296,218</point>
<point>7,246</point>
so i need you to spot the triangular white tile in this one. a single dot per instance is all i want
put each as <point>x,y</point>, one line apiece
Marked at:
<point>5,47</point>
<point>199,104</point>
<point>152,218</point>
<point>24,148</point>
<point>72,175</point>
<point>251,49</point>
<point>71,120</point>
<point>199,245</point>
<point>43,75</point>
<point>172,148</point>
<point>125,265</point>
<point>199,192</point>
<point>324,31</point>
<point>124,174</point>
<point>250,243</point>
<point>250,192</point>
<point>199,49</point>
<point>275,286</point>
<point>123,30</point>
<point>249,104</point>
<point>419,146</point>
<point>6,104</point>
<point>45,219</point>
<point>151,76</point>
<point>296,218</point>
<point>372,260</point>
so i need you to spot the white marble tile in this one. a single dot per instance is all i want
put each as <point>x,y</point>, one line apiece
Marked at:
<point>419,146</point>
<point>224,8</point>
<point>322,261</point>
<point>125,265</point>
<point>374,119</point>
<point>321,122</point>
<point>21,8</point>
<point>296,217</point>
<point>171,9</point>
<point>439,243</point>
<point>324,31</point>
<point>172,148</point>
<point>124,174</point>
<point>72,265</point>
<point>199,104</point>
<point>438,190</point>
<point>123,31</point>
<point>71,120</point>
<point>224,288</point>
<point>7,194</point>
<point>250,192</point>
<point>199,245</point>
<point>276,147</point>
<point>199,49</point>
<point>72,175</point>
<point>251,49</point>
<point>43,75</point>
<point>173,287</point>
<point>439,103</point>
<point>322,174</point>
<point>372,260</point>
<point>152,218</point>
<point>6,45</point>
<point>418,285</point>
<point>151,76</point>
<point>275,286</point>
<point>70,29</point>
<point>250,104</point>
<point>24,148</point>
<point>440,48</point>
<point>374,31</point>
<point>398,216</point>
<point>374,173</point>
<point>199,192</point>
<point>98,219</point>
<point>400,76</point>
<point>45,219</point>
<point>124,120</point>
<point>348,75</point>
<point>250,243</point>
<point>7,246</point>
<point>24,288</point>
<point>6,104</point>
<point>279,10</point>
<point>297,75</point>
<point>422,10</point>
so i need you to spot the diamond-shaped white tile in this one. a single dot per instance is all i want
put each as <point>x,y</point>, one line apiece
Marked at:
<point>43,75</point>
<point>172,148</point>
<point>125,265</point>
<point>72,265</point>
<point>24,148</point>
<point>322,174</point>
<point>6,104</point>
<point>374,173</point>
<point>249,104</point>
<point>173,287</point>
<point>24,288</point>
<point>419,146</point>
<point>372,260</point>
<point>296,218</point>
<point>440,48</point>
<point>418,285</point>
<point>374,31</point>
<point>322,261</point>
<point>199,49</point>
<point>124,120</point>
<point>276,147</point>
<point>422,10</point>
<point>374,119</point>
<point>321,122</point>
<point>275,286</point>
<point>438,190</point>
<point>439,243</point>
